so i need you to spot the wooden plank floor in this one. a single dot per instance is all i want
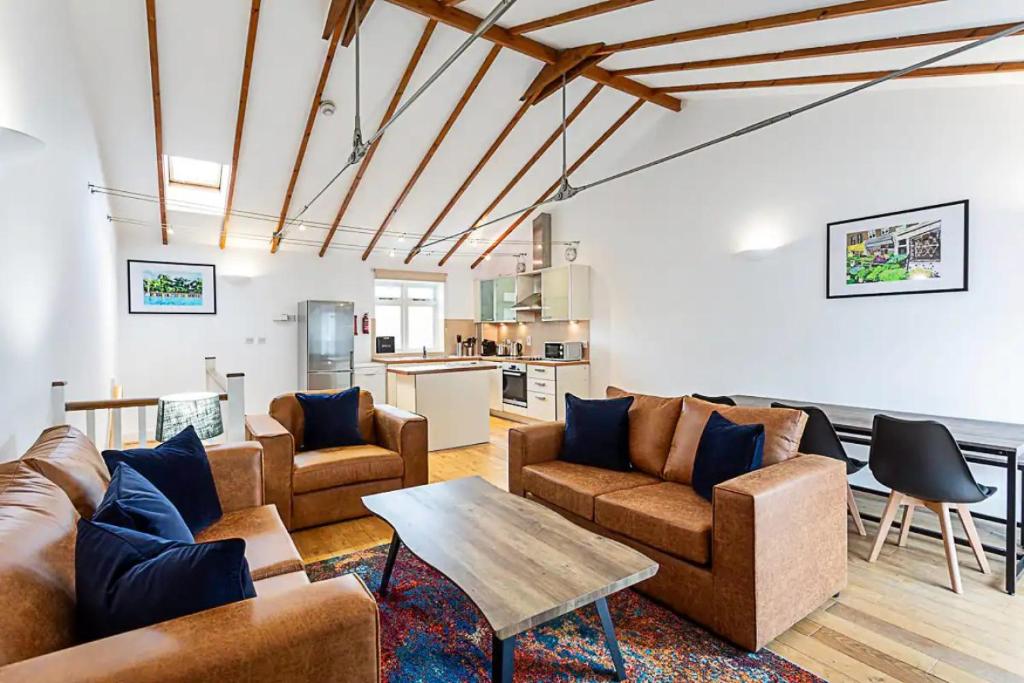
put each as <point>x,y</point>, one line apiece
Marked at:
<point>896,621</point>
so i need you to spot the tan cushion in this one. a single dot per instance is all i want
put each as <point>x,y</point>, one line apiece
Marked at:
<point>573,487</point>
<point>282,583</point>
<point>330,467</point>
<point>652,422</point>
<point>268,547</point>
<point>69,459</point>
<point>37,565</point>
<point>667,516</point>
<point>287,410</point>
<point>783,428</point>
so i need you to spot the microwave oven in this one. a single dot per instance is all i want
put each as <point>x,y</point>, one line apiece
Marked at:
<point>563,351</point>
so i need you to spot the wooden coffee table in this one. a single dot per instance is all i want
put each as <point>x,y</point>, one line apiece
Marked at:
<point>519,562</point>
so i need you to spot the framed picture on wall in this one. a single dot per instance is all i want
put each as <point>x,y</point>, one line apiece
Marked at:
<point>918,251</point>
<point>168,287</point>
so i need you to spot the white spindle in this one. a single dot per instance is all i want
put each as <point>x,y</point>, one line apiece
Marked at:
<point>235,428</point>
<point>142,427</point>
<point>118,436</point>
<point>90,425</point>
<point>58,413</point>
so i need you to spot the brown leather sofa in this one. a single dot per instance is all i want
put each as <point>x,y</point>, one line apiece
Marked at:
<point>311,488</point>
<point>293,630</point>
<point>768,550</point>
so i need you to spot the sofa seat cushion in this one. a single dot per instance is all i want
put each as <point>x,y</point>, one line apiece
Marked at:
<point>330,467</point>
<point>37,565</point>
<point>268,547</point>
<point>667,516</point>
<point>573,487</point>
<point>282,583</point>
<point>66,457</point>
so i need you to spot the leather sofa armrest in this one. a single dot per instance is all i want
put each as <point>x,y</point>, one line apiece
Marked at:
<point>531,444</point>
<point>278,462</point>
<point>405,433</point>
<point>238,474</point>
<point>326,631</point>
<point>779,546</point>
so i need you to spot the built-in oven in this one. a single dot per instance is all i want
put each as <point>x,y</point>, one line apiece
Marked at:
<point>513,384</point>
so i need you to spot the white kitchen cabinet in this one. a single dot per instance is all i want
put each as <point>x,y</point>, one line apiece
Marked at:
<point>495,374</point>
<point>372,377</point>
<point>541,406</point>
<point>565,293</point>
<point>547,385</point>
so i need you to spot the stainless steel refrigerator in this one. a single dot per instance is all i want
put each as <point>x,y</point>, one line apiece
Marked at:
<point>326,344</point>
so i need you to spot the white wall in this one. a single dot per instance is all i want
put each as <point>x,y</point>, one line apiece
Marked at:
<point>675,310</point>
<point>162,354</point>
<point>57,312</point>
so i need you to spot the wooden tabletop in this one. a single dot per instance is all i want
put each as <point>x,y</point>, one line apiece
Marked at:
<point>519,562</point>
<point>435,369</point>
<point>1003,438</point>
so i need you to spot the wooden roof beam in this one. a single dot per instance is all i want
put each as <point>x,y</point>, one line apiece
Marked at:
<point>350,29</point>
<point>403,84</point>
<point>336,15</point>
<point>931,72</point>
<point>554,186</point>
<point>432,150</point>
<point>572,59</point>
<point>497,143</point>
<point>158,125</point>
<point>325,71</point>
<point>575,15</point>
<point>846,9</point>
<point>243,100</point>
<point>338,19</point>
<point>962,35</point>
<point>577,110</point>
<point>464,21</point>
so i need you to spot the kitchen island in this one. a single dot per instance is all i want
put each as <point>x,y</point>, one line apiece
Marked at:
<point>453,396</point>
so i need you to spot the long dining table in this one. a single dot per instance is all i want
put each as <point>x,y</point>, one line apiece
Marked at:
<point>993,444</point>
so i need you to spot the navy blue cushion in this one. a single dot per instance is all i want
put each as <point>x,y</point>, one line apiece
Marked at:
<point>180,470</point>
<point>332,420</point>
<point>126,579</point>
<point>597,432</point>
<point>726,450</point>
<point>132,502</point>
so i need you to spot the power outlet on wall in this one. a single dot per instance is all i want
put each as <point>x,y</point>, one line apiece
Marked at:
<point>261,340</point>
<point>248,340</point>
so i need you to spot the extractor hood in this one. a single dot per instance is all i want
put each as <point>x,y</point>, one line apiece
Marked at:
<point>530,303</point>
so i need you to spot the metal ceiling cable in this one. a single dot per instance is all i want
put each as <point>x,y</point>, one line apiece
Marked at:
<point>359,152</point>
<point>565,190</point>
<point>778,118</point>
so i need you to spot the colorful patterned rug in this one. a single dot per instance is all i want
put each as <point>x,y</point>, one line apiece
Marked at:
<point>432,632</point>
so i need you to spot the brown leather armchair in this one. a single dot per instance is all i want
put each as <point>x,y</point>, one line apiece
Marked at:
<point>311,488</point>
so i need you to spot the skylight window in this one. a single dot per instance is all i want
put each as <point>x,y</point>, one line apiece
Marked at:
<point>194,172</point>
<point>196,186</point>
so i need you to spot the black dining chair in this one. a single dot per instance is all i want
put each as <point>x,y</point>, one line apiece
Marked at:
<point>923,465</point>
<point>720,400</point>
<point>820,438</point>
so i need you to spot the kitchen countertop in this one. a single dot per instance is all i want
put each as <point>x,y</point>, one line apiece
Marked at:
<point>436,368</point>
<point>407,360</point>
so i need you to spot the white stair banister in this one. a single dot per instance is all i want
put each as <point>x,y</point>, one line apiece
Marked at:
<point>235,428</point>
<point>58,401</point>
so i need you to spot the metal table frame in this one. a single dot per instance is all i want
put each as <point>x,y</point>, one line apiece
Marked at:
<point>992,444</point>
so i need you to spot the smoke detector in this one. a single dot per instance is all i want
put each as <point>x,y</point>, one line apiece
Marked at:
<point>327,107</point>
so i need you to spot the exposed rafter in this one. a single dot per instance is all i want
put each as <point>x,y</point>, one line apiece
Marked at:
<point>464,21</point>
<point>809,16</point>
<point>571,62</point>
<point>962,35</point>
<point>577,110</point>
<point>575,15</point>
<point>403,83</point>
<point>554,186</point>
<point>432,150</point>
<point>336,14</point>
<point>931,72</point>
<point>243,100</point>
<point>325,71</point>
<point>498,141</point>
<point>158,124</point>
<point>350,29</point>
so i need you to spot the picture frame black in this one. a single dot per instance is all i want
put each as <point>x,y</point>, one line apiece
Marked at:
<point>133,305</point>
<point>965,253</point>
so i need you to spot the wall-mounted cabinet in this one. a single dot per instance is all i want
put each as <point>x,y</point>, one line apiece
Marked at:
<point>565,293</point>
<point>495,300</point>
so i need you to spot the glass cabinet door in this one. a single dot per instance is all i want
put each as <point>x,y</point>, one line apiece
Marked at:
<point>504,299</point>
<point>486,301</point>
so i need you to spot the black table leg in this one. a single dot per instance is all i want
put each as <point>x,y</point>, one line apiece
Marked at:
<point>1011,524</point>
<point>609,635</point>
<point>502,659</point>
<point>385,578</point>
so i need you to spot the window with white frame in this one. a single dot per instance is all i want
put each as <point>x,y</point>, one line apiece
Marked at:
<point>412,312</point>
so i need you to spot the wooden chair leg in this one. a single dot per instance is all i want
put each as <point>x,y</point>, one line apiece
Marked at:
<point>851,504</point>
<point>972,537</point>
<point>949,542</point>
<point>891,507</point>
<point>908,517</point>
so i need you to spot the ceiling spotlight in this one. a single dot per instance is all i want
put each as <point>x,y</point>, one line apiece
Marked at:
<point>302,227</point>
<point>391,253</point>
<point>170,231</point>
<point>327,107</point>
<point>487,258</point>
<point>401,238</point>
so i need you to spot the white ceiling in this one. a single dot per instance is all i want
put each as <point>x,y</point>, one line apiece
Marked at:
<point>202,43</point>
